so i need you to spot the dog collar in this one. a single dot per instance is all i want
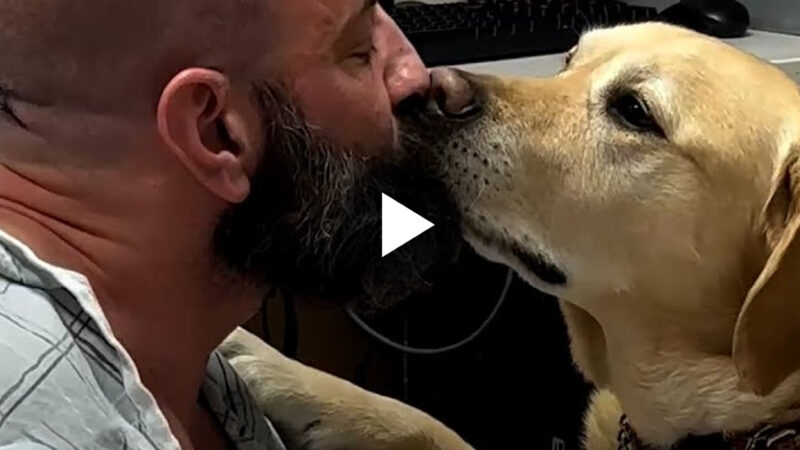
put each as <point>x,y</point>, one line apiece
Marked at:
<point>784,437</point>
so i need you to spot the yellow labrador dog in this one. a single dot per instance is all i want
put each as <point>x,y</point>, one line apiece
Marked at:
<point>654,187</point>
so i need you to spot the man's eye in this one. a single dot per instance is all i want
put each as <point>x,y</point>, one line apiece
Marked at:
<point>568,59</point>
<point>365,56</point>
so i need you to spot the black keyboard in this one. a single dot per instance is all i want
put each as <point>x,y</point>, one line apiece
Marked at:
<point>483,30</point>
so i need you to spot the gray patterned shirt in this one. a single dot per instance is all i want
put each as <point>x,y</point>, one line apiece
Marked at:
<point>67,383</point>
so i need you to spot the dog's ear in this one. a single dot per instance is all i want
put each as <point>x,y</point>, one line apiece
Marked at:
<point>766,340</point>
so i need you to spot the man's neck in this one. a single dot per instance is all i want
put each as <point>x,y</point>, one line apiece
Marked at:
<point>159,289</point>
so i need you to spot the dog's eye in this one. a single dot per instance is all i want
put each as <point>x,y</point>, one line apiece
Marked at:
<point>631,111</point>
<point>570,56</point>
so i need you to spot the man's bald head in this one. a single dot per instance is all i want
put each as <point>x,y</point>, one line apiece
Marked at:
<point>109,55</point>
<point>177,96</point>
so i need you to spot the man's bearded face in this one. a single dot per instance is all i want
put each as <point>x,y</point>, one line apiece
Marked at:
<point>312,222</point>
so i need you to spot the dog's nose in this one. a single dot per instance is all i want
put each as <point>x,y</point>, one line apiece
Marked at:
<point>453,94</point>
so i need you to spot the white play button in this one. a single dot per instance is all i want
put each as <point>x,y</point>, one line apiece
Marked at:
<point>399,225</point>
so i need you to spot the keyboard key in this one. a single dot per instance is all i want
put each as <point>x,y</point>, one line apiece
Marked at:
<point>481,30</point>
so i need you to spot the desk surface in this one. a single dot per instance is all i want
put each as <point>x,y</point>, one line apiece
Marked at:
<point>781,49</point>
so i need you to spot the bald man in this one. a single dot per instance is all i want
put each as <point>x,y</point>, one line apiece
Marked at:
<point>163,165</point>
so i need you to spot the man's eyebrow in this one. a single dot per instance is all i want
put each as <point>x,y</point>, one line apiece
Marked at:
<point>368,4</point>
<point>366,7</point>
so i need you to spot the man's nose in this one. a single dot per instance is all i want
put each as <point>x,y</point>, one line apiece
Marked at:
<point>405,74</point>
<point>408,80</point>
<point>453,94</point>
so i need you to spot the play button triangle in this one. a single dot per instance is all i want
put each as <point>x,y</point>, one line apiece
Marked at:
<point>399,225</point>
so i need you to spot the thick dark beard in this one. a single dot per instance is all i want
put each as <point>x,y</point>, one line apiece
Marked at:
<point>312,222</point>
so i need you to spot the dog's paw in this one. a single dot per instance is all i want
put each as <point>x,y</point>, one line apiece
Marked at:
<point>284,397</point>
<point>316,411</point>
<point>241,342</point>
<point>601,422</point>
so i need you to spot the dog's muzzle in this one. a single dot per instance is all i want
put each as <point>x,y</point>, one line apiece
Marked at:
<point>454,95</point>
<point>455,98</point>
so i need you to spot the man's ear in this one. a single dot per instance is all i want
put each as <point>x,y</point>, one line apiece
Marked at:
<point>766,341</point>
<point>200,121</point>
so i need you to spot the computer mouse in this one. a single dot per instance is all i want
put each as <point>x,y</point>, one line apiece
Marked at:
<point>718,18</point>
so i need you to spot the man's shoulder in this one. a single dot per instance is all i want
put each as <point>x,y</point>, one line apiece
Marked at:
<point>63,383</point>
<point>56,377</point>
<point>64,377</point>
<point>37,317</point>
<point>30,321</point>
<point>39,313</point>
